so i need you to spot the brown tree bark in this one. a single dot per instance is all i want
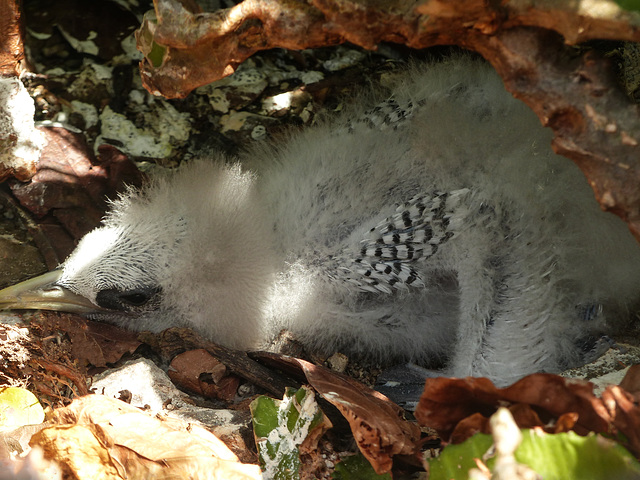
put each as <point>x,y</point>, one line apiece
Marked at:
<point>11,38</point>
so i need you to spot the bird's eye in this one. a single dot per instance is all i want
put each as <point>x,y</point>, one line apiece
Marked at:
<point>126,300</point>
<point>136,299</point>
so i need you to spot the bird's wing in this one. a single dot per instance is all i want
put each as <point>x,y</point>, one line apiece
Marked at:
<point>390,113</point>
<point>390,251</point>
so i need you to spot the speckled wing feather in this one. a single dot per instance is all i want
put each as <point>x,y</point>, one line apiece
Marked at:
<point>389,253</point>
<point>414,233</point>
<point>387,114</point>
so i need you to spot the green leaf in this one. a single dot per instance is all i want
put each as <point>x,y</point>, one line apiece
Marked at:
<point>281,427</point>
<point>456,460</point>
<point>633,5</point>
<point>156,55</point>
<point>19,407</point>
<point>356,467</point>
<point>554,457</point>
<point>568,455</point>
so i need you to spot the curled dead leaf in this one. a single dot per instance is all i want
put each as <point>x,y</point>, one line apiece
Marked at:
<point>100,437</point>
<point>95,343</point>
<point>376,422</point>
<point>200,372</point>
<point>458,408</point>
<point>445,402</point>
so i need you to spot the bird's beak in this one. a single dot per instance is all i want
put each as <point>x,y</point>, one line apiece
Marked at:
<point>42,293</point>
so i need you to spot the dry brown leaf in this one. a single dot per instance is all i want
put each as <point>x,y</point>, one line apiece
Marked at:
<point>100,437</point>
<point>79,450</point>
<point>95,343</point>
<point>631,380</point>
<point>445,402</point>
<point>625,416</point>
<point>376,422</point>
<point>524,416</point>
<point>469,426</point>
<point>565,422</point>
<point>200,372</point>
<point>458,408</point>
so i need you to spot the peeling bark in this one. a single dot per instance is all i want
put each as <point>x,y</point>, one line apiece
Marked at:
<point>185,49</point>
<point>11,45</point>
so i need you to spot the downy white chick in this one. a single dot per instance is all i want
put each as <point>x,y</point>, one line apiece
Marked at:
<point>435,226</point>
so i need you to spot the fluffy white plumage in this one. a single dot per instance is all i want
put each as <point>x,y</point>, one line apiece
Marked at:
<point>437,225</point>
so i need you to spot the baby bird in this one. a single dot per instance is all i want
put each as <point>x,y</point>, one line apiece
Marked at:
<point>436,226</point>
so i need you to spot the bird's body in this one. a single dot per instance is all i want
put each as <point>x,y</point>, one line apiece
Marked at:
<point>436,226</point>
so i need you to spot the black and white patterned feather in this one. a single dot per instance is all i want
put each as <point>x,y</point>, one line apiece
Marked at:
<point>412,234</point>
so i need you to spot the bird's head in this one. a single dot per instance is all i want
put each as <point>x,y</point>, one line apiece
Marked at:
<point>189,251</point>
